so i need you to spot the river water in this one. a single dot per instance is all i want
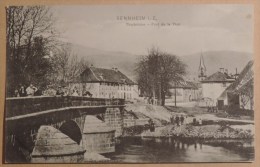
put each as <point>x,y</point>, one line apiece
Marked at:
<point>169,150</point>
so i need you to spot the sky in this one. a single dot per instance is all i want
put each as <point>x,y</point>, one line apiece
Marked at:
<point>190,28</point>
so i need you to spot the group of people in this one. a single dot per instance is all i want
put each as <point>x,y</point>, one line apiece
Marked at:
<point>151,100</point>
<point>29,91</point>
<point>60,92</point>
<point>181,120</point>
<point>178,120</point>
<point>75,92</point>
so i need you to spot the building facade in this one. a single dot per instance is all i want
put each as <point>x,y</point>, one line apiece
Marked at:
<point>241,92</point>
<point>185,91</point>
<point>214,85</point>
<point>105,83</point>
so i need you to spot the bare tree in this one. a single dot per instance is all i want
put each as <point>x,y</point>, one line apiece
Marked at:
<point>156,71</point>
<point>30,33</point>
<point>68,65</point>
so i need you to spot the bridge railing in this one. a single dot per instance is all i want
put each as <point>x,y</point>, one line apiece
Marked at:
<point>26,105</point>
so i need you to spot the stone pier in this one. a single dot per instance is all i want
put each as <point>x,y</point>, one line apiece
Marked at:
<point>114,118</point>
<point>52,146</point>
<point>97,136</point>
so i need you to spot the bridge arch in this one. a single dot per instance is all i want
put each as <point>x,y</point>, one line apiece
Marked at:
<point>71,129</point>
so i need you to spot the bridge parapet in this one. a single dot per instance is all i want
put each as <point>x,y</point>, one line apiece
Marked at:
<point>27,105</point>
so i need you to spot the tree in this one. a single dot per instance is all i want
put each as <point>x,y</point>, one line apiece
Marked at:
<point>68,66</point>
<point>30,37</point>
<point>156,71</point>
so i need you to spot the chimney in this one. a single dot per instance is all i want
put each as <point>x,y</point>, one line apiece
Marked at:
<point>221,70</point>
<point>226,71</point>
<point>116,69</point>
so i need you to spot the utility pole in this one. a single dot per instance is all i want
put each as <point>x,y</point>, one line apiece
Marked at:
<point>175,94</point>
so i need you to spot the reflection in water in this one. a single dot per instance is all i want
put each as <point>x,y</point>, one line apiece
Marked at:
<point>152,150</point>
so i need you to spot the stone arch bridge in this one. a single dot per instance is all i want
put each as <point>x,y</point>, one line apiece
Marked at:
<point>25,115</point>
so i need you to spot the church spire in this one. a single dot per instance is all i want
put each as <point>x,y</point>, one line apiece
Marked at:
<point>202,68</point>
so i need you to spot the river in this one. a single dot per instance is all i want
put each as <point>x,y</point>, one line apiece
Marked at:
<point>168,150</point>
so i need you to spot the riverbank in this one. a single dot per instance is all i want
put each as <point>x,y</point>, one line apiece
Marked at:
<point>137,149</point>
<point>203,132</point>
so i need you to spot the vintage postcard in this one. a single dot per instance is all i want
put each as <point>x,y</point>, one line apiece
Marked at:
<point>129,83</point>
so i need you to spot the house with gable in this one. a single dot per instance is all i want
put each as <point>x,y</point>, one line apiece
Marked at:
<point>214,85</point>
<point>106,83</point>
<point>186,91</point>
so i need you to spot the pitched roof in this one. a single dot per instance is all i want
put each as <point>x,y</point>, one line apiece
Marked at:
<point>186,85</point>
<point>218,77</point>
<point>244,89</point>
<point>244,81</point>
<point>93,74</point>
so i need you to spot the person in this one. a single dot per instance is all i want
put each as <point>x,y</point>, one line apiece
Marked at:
<point>152,100</point>
<point>172,119</point>
<point>22,92</point>
<point>177,120</point>
<point>59,92</point>
<point>151,124</point>
<point>194,121</point>
<point>182,120</point>
<point>38,92</point>
<point>200,121</point>
<point>16,93</point>
<point>75,93</point>
<point>87,93</point>
<point>31,90</point>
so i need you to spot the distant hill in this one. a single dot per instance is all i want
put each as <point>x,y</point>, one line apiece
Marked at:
<point>126,62</point>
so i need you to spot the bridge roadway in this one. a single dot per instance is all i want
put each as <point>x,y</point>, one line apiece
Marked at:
<point>25,115</point>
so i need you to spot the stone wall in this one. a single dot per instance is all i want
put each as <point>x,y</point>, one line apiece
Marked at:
<point>128,119</point>
<point>114,118</point>
<point>77,158</point>
<point>101,142</point>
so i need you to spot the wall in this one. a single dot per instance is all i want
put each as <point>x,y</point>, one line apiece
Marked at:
<point>213,90</point>
<point>101,142</point>
<point>107,90</point>
<point>113,117</point>
<point>78,158</point>
<point>179,95</point>
<point>128,119</point>
<point>185,95</point>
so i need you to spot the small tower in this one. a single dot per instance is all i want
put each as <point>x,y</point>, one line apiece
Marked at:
<point>202,69</point>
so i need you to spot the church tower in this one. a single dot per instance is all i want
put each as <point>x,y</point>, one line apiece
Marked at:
<point>202,69</point>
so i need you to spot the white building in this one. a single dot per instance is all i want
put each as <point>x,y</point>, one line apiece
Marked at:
<point>106,83</point>
<point>214,85</point>
<point>185,91</point>
<point>241,92</point>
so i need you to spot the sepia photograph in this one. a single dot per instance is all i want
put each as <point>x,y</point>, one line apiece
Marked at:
<point>129,83</point>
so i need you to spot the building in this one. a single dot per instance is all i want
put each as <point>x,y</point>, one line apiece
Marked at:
<point>105,83</point>
<point>202,69</point>
<point>214,85</point>
<point>185,91</point>
<point>240,93</point>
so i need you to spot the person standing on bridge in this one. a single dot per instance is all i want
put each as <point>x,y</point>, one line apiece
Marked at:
<point>75,92</point>
<point>59,92</point>
<point>31,90</point>
<point>22,92</point>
